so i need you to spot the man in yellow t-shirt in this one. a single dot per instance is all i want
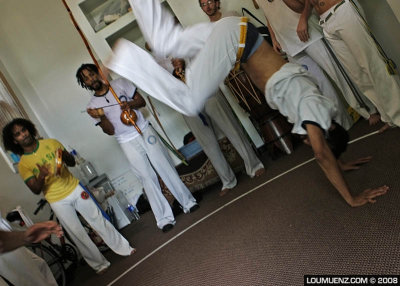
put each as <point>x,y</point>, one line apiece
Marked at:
<point>55,188</point>
<point>65,195</point>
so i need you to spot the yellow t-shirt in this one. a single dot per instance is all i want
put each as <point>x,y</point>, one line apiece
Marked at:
<point>55,188</point>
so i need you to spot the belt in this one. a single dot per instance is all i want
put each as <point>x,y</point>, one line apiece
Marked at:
<point>242,41</point>
<point>331,13</point>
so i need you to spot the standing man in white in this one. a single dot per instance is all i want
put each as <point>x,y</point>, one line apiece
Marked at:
<point>220,114</point>
<point>143,152</point>
<point>302,41</point>
<point>217,114</point>
<point>361,55</point>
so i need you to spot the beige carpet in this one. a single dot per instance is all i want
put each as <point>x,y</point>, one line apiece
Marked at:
<point>294,225</point>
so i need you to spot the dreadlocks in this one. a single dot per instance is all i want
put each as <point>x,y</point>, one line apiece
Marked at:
<point>8,136</point>
<point>79,76</point>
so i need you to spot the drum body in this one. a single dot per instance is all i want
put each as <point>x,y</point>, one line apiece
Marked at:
<point>271,125</point>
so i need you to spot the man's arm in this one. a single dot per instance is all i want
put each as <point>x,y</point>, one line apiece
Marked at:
<point>295,5</point>
<point>275,44</point>
<point>36,233</point>
<point>329,165</point>
<point>68,159</point>
<point>302,27</point>
<point>256,4</point>
<point>136,102</point>
<point>36,184</point>
<point>104,123</point>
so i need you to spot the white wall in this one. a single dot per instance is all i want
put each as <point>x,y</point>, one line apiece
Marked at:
<point>385,25</point>
<point>395,5</point>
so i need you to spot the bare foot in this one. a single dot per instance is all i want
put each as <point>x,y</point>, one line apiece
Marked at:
<point>133,251</point>
<point>223,192</point>
<point>384,128</point>
<point>259,172</point>
<point>374,119</point>
<point>102,271</point>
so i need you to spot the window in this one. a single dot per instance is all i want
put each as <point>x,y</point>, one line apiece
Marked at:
<point>10,108</point>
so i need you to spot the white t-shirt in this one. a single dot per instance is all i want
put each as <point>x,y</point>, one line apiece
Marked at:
<point>229,14</point>
<point>125,91</point>
<point>284,22</point>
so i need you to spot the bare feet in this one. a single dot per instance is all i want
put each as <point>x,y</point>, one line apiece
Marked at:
<point>223,192</point>
<point>384,128</point>
<point>374,119</point>
<point>102,270</point>
<point>259,172</point>
<point>133,251</point>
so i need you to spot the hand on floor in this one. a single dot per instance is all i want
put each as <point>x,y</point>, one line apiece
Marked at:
<point>353,165</point>
<point>368,196</point>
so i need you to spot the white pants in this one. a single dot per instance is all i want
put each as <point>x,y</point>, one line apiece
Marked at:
<point>145,152</point>
<point>324,85</point>
<point>65,211</point>
<point>215,46</point>
<point>320,54</point>
<point>22,267</point>
<point>293,92</point>
<point>357,52</point>
<point>220,115</point>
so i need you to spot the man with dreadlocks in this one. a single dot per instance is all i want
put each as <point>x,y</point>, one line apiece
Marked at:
<point>143,152</point>
<point>62,191</point>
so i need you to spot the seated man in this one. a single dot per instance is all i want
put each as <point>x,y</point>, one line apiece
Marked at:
<point>215,49</point>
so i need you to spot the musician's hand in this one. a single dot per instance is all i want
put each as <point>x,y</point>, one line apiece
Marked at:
<point>95,112</point>
<point>125,105</point>
<point>42,230</point>
<point>43,171</point>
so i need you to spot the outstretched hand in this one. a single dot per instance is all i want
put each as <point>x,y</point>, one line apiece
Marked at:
<point>368,196</point>
<point>42,230</point>
<point>353,165</point>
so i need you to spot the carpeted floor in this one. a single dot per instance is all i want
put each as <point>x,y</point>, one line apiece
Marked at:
<point>273,234</point>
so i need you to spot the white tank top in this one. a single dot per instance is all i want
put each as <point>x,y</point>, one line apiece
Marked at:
<point>284,22</point>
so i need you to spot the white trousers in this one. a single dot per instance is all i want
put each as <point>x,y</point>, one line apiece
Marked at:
<point>65,211</point>
<point>357,52</point>
<point>215,46</point>
<point>220,115</point>
<point>320,54</point>
<point>145,153</point>
<point>22,267</point>
<point>324,85</point>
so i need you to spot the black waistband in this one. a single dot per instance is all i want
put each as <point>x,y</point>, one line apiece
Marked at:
<point>251,38</point>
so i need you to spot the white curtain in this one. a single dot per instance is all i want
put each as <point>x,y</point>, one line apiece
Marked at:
<point>9,106</point>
